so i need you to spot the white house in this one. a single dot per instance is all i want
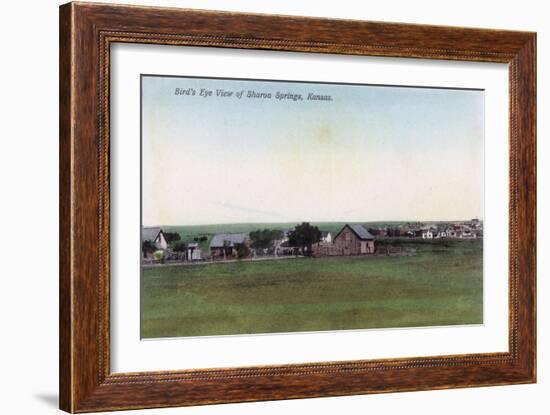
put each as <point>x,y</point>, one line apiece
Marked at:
<point>155,236</point>
<point>326,237</point>
<point>427,234</point>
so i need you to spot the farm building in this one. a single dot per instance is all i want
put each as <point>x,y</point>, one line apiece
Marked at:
<point>353,239</point>
<point>226,245</point>
<point>193,252</point>
<point>155,236</point>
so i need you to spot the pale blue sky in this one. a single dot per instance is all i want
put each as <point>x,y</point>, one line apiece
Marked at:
<point>372,153</point>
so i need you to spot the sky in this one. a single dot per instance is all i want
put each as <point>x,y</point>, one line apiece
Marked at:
<point>370,153</point>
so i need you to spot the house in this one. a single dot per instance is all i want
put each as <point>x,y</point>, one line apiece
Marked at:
<point>227,245</point>
<point>353,239</point>
<point>193,252</point>
<point>155,236</point>
<point>451,233</point>
<point>326,237</point>
<point>416,233</point>
<point>427,234</point>
<point>440,232</point>
<point>475,224</point>
<point>467,234</point>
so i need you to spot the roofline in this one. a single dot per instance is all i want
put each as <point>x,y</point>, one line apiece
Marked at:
<point>246,237</point>
<point>356,234</point>
<point>156,235</point>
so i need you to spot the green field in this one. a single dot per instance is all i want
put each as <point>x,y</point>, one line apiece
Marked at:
<point>441,285</point>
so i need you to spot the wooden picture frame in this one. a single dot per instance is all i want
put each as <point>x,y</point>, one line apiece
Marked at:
<point>86,33</point>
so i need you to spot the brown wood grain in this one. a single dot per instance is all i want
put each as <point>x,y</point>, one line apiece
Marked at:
<point>65,246</point>
<point>86,33</point>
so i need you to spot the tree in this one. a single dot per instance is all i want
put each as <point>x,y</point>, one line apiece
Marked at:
<point>147,247</point>
<point>243,251</point>
<point>304,236</point>
<point>262,239</point>
<point>172,236</point>
<point>180,247</point>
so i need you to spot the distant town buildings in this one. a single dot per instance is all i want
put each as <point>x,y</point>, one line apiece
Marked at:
<point>427,234</point>
<point>437,230</point>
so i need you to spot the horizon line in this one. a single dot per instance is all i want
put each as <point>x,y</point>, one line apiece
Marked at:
<point>313,221</point>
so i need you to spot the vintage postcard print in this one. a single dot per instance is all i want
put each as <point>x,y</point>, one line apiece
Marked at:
<point>274,206</point>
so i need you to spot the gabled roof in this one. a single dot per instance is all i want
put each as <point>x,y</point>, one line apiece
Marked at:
<point>228,240</point>
<point>358,230</point>
<point>150,234</point>
<point>324,234</point>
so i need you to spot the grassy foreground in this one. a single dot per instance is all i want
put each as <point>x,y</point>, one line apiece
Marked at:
<point>441,285</point>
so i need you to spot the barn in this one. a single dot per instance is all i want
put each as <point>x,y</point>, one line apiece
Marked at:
<point>353,239</point>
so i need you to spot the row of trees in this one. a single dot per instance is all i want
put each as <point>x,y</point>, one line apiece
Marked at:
<point>303,236</point>
<point>172,236</point>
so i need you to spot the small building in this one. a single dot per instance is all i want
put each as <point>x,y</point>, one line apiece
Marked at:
<point>450,232</point>
<point>427,234</point>
<point>440,232</point>
<point>353,239</point>
<point>227,245</point>
<point>155,236</point>
<point>468,234</point>
<point>193,252</point>
<point>326,237</point>
<point>475,223</point>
